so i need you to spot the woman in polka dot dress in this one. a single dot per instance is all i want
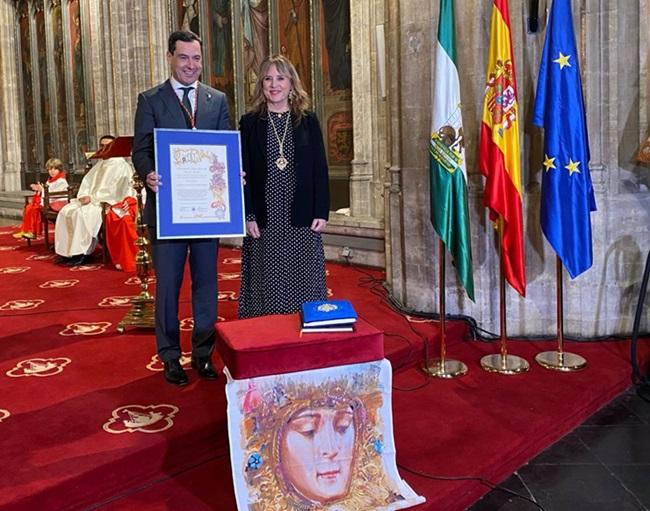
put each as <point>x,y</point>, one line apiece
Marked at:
<point>286,195</point>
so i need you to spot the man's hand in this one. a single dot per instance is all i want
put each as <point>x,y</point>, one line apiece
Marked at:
<point>252,229</point>
<point>37,187</point>
<point>318,224</point>
<point>153,181</point>
<point>84,200</point>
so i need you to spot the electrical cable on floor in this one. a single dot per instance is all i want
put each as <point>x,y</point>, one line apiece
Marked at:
<point>481,480</point>
<point>476,332</point>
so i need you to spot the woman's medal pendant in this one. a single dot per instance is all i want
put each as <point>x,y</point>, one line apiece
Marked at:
<point>281,162</point>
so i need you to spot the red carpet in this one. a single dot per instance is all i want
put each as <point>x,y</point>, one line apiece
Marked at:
<point>63,449</point>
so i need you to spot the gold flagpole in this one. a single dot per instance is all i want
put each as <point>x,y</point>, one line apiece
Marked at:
<point>503,363</point>
<point>141,313</point>
<point>560,360</point>
<point>443,367</point>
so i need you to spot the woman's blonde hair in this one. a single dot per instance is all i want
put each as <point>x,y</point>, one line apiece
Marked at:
<point>298,97</point>
<point>54,163</point>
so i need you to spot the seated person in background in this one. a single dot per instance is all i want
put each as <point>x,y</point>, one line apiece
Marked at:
<point>78,223</point>
<point>31,225</point>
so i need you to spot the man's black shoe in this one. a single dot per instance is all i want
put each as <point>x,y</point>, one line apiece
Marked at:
<point>204,367</point>
<point>85,259</point>
<point>61,259</point>
<point>74,260</point>
<point>174,373</point>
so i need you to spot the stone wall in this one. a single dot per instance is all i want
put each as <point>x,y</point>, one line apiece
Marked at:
<point>9,122</point>
<point>615,78</point>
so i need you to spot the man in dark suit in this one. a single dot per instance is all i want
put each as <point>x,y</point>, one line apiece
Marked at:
<point>181,102</point>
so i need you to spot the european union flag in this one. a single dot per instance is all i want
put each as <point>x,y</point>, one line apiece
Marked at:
<point>567,192</point>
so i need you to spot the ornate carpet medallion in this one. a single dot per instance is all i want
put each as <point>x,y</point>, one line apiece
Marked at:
<point>59,283</point>
<point>143,419</point>
<point>21,305</point>
<point>40,367</point>
<point>84,328</point>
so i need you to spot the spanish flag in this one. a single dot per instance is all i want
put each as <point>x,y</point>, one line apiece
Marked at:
<point>499,159</point>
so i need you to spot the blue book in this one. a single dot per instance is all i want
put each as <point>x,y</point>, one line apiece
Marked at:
<point>328,312</point>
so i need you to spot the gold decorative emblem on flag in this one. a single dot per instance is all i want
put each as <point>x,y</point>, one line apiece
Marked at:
<point>4,414</point>
<point>21,305</point>
<point>501,97</point>
<point>446,147</point>
<point>143,419</point>
<point>40,367</point>
<point>232,260</point>
<point>95,328</point>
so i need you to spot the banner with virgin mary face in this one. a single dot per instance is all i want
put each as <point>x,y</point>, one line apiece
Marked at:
<point>316,440</point>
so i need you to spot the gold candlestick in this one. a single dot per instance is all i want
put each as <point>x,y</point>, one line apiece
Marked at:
<point>142,309</point>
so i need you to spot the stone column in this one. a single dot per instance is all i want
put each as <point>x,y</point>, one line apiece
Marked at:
<point>367,176</point>
<point>125,45</point>
<point>10,141</point>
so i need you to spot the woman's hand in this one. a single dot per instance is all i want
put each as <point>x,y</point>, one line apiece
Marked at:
<point>252,229</point>
<point>318,224</point>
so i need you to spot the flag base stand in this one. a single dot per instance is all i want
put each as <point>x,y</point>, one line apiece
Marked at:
<point>504,364</point>
<point>561,361</point>
<point>447,368</point>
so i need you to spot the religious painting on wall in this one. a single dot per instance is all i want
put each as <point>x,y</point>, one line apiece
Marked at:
<point>61,121</point>
<point>188,15</point>
<point>336,52</point>
<point>316,440</point>
<point>340,149</point>
<point>46,131</point>
<point>27,73</point>
<point>294,30</point>
<point>255,20</point>
<point>336,58</point>
<point>222,77</point>
<point>81,132</point>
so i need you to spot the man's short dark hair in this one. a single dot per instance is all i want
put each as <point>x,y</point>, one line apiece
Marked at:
<point>110,137</point>
<point>186,36</point>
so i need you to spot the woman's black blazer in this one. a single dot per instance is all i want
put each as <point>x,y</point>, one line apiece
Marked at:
<point>311,197</point>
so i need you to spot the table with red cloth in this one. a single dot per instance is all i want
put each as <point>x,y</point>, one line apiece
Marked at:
<point>309,417</point>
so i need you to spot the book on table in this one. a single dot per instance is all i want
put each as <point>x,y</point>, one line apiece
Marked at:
<point>327,329</point>
<point>328,313</point>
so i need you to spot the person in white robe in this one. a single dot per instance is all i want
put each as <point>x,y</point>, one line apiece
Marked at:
<point>78,223</point>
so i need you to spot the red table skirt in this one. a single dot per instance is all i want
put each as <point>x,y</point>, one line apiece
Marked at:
<point>273,345</point>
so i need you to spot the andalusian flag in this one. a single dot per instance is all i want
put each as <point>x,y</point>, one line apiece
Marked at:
<point>449,211</point>
<point>567,192</point>
<point>499,147</point>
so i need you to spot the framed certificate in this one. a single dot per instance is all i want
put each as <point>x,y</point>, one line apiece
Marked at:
<point>201,195</point>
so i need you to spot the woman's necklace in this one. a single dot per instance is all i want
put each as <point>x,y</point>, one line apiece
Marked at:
<point>281,162</point>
